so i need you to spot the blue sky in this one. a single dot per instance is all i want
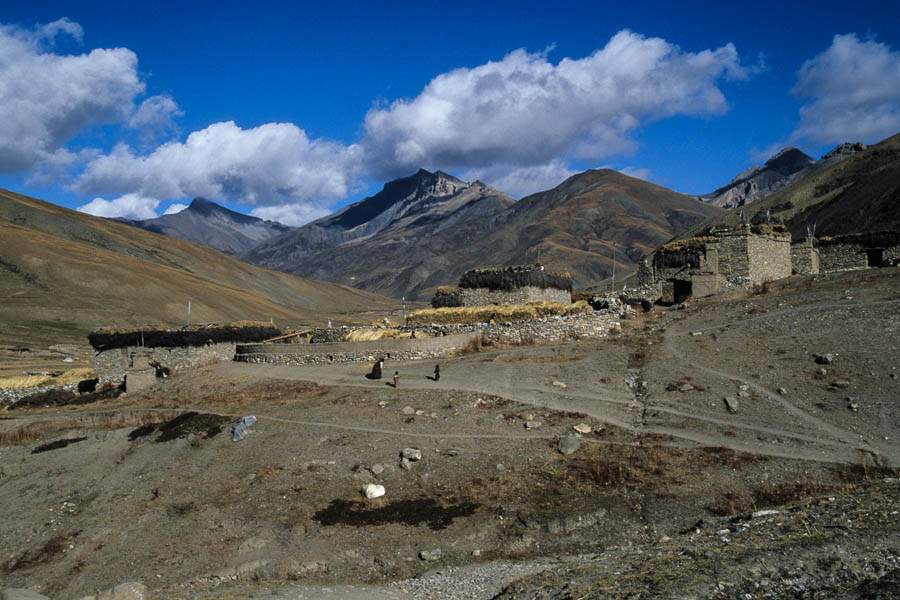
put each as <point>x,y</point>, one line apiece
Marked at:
<point>291,110</point>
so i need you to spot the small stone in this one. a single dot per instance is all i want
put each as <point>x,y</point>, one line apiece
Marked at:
<point>408,410</point>
<point>452,452</point>
<point>743,394</point>
<point>373,490</point>
<point>765,513</point>
<point>420,412</point>
<point>430,555</point>
<point>841,383</point>
<point>723,532</point>
<point>405,464</point>
<point>568,444</point>
<point>696,333</point>
<point>744,387</point>
<point>781,391</point>
<point>665,539</point>
<point>671,387</point>
<point>685,387</point>
<point>824,359</point>
<point>582,428</point>
<point>853,406</point>
<point>560,384</point>
<point>501,467</point>
<point>411,454</point>
<point>731,403</point>
<point>377,469</point>
<point>476,553</point>
<point>532,424</point>
<point>383,403</point>
<point>822,371</point>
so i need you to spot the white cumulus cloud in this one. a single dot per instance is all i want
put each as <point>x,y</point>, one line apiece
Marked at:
<point>519,182</point>
<point>267,165</point>
<point>525,111</point>
<point>175,207</point>
<point>156,114</point>
<point>637,172</point>
<point>131,206</point>
<point>46,99</point>
<point>294,214</point>
<point>852,91</point>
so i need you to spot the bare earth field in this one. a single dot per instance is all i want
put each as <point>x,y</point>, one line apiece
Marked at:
<point>661,499</point>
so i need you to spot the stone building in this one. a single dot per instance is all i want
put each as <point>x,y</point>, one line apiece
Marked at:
<point>506,285</point>
<point>859,251</point>
<point>702,266</point>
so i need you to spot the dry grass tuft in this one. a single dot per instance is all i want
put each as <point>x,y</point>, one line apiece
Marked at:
<point>497,313</point>
<point>368,335</point>
<point>37,431</point>
<point>27,381</point>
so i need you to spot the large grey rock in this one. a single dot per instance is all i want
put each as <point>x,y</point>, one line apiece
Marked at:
<point>568,444</point>
<point>411,454</point>
<point>731,403</point>
<point>21,594</point>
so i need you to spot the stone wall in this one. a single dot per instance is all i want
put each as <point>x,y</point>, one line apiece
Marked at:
<point>111,364</point>
<point>842,257</point>
<point>892,255</point>
<point>485,296</point>
<point>805,258</point>
<point>435,341</point>
<point>770,257</point>
<point>734,255</point>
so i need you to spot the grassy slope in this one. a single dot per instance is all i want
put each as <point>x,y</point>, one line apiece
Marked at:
<point>64,273</point>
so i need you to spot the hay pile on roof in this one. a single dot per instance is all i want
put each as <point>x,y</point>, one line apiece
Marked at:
<point>157,338</point>
<point>366,334</point>
<point>775,229</point>
<point>682,253</point>
<point>510,278</point>
<point>447,296</point>
<point>871,239</point>
<point>497,313</point>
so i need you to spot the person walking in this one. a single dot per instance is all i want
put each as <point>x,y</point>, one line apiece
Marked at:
<point>396,379</point>
<point>437,372</point>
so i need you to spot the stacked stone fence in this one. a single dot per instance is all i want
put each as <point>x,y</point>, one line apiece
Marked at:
<point>434,341</point>
<point>112,364</point>
<point>522,295</point>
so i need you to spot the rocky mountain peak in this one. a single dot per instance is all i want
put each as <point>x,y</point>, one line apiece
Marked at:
<point>845,149</point>
<point>789,160</point>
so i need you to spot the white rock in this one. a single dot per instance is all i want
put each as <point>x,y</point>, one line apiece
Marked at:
<point>582,428</point>
<point>411,454</point>
<point>373,490</point>
<point>560,384</point>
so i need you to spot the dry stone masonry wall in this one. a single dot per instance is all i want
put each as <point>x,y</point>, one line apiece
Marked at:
<point>434,341</point>
<point>485,296</point>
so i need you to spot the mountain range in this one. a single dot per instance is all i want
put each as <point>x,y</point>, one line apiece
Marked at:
<point>425,230</point>
<point>789,166</point>
<point>207,223</point>
<point>859,193</point>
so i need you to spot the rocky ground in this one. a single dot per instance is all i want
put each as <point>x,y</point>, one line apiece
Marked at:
<point>660,495</point>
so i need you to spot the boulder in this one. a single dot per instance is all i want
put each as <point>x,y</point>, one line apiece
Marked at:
<point>568,444</point>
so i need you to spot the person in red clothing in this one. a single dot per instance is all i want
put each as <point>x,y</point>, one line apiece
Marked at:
<point>396,379</point>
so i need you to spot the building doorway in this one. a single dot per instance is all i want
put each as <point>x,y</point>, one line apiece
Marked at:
<point>875,257</point>
<point>682,290</point>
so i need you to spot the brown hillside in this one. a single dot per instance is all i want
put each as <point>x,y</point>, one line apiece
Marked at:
<point>63,273</point>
